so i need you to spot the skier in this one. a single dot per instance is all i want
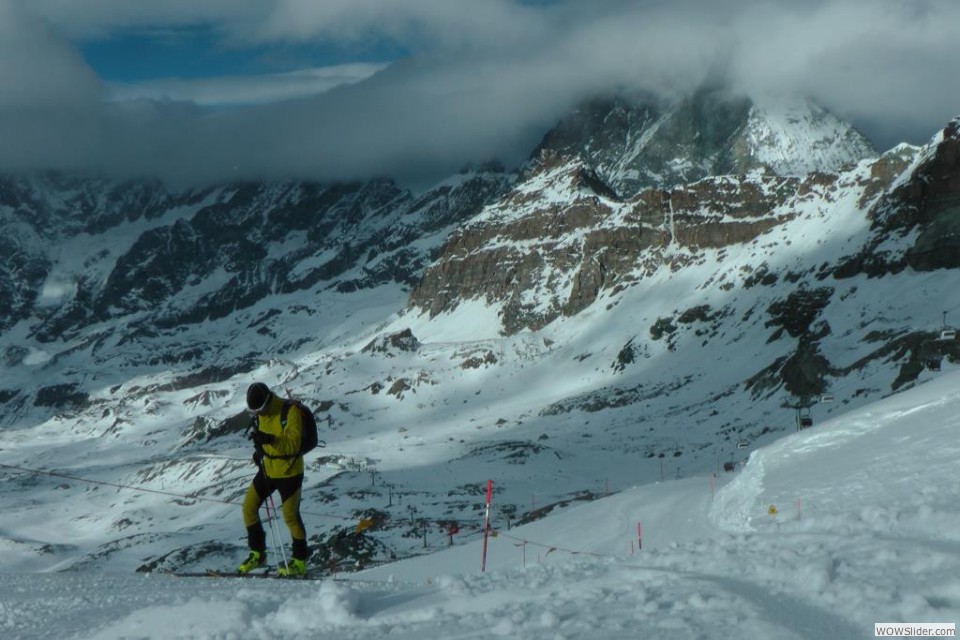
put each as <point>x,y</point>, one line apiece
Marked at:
<point>279,463</point>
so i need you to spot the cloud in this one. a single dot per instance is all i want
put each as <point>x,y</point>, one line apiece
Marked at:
<point>246,90</point>
<point>37,68</point>
<point>451,24</point>
<point>101,18</point>
<point>881,63</point>
<point>49,98</point>
<point>486,80</point>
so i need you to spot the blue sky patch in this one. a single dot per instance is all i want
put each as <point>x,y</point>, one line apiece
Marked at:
<point>199,52</point>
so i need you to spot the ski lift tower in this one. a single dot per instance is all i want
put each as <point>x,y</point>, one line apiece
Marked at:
<point>933,349</point>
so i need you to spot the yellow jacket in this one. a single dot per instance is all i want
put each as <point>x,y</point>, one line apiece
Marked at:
<point>281,458</point>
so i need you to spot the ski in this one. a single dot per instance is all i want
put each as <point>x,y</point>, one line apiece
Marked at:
<point>215,573</point>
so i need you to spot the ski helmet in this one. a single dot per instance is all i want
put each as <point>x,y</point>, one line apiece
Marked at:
<point>258,396</point>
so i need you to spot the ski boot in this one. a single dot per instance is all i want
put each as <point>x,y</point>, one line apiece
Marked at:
<point>294,569</point>
<point>255,560</point>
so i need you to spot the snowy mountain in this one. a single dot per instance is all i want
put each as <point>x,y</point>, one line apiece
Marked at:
<point>555,329</point>
<point>635,143</point>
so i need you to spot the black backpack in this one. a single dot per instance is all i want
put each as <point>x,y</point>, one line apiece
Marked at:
<point>308,425</point>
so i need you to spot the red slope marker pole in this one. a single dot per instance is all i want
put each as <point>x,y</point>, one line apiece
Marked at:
<point>486,527</point>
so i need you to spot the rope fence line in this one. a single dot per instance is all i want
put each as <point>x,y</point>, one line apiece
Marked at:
<point>179,496</point>
<point>139,489</point>
<point>552,547</point>
<point>446,521</point>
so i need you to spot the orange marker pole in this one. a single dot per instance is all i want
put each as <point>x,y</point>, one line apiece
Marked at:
<point>486,526</point>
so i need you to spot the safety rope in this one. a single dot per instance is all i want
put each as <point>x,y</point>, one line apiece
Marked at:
<point>179,496</point>
<point>139,489</point>
<point>498,533</point>
<point>552,547</point>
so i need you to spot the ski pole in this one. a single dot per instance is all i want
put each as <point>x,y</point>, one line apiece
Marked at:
<point>270,505</point>
<point>274,528</point>
<point>274,533</point>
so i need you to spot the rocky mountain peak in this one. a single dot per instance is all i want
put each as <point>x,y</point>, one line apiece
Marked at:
<point>640,142</point>
<point>571,175</point>
<point>792,137</point>
<point>925,201</point>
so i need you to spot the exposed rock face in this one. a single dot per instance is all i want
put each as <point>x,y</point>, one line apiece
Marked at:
<point>547,257</point>
<point>624,187</point>
<point>403,341</point>
<point>798,311</point>
<point>926,203</point>
<point>562,236</point>
<point>935,188</point>
<point>203,254</point>
<point>41,212</point>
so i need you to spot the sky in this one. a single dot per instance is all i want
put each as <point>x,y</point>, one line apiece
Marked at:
<point>350,89</point>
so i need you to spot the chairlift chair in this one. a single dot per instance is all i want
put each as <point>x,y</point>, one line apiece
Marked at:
<point>948,334</point>
<point>806,422</point>
<point>933,363</point>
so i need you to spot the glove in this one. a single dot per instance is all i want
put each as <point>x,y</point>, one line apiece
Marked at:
<point>260,438</point>
<point>258,457</point>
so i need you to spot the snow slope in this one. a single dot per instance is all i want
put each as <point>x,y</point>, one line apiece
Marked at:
<point>866,529</point>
